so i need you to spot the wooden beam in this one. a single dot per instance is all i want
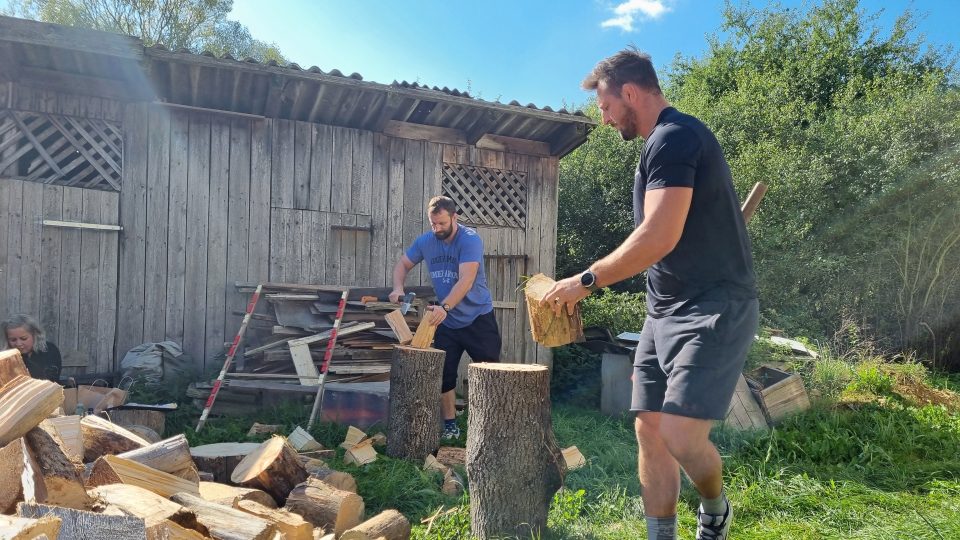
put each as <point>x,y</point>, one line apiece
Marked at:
<point>482,125</point>
<point>513,145</point>
<point>420,132</point>
<point>84,84</point>
<point>208,111</point>
<point>79,225</point>
<point>72,39</point>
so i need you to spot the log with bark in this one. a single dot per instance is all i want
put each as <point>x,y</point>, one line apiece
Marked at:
<point>292,526</point>
<point>547,328</point>
<point>61,475</point>
<point>24,403</point>
<point>20,478</point>
<point>102,437</point>
<point>224,522</point>
<point>117,470</point>
<point>169,455</point>
<point>147,505</point>
<point>326,506</point>
<point>11,365</point>
<point>416,376</point>
<point>83,525</point>
<point>388,525</point>
<point>337,479</point>
<point>229,495</point>
<point>510,450</point>
<point>221,459</point>
<point>21,528</point>
<point>273,467</point>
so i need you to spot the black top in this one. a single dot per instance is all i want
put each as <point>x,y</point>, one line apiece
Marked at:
<point>45,365</point>
<point>712,260</point>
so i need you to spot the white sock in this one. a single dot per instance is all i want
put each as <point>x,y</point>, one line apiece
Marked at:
<point>662,528</point>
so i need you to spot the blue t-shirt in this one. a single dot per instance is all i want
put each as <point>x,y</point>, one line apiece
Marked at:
<point>443,261</point>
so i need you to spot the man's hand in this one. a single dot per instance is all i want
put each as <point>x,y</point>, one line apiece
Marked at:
<point>566,292</point>
<point>395,296</point>
<point>437,314</point>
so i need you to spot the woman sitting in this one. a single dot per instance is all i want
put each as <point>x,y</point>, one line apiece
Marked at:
<point>41,357</point>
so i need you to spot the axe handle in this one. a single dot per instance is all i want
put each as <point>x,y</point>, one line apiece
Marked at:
<point>753,200</point>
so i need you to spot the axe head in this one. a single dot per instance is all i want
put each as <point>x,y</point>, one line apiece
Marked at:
<point>405,303</point>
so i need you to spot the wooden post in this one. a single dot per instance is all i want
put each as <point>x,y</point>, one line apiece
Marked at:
<point>416,376</point>
<point>511,449</point>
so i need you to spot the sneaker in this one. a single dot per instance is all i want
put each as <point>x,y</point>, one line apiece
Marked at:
<point>451,433</point>
<point>712,526</point>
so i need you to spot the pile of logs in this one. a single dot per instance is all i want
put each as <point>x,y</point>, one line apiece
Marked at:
<point>103,481</point>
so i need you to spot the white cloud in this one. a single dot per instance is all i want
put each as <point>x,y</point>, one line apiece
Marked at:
<point>631,10</point>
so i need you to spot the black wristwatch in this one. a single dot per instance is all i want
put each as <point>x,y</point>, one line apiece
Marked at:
<point>446,307</point>
<point>589,281</point>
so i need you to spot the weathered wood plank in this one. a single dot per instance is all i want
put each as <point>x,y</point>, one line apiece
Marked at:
<point>133,219</point>
<point>13,232</point>
<point>321,164</point>
<point>333,256</point>
<point>342,170</point>
<point>157,209</point>
<point>532,242</point>
<point>381,265</point>
<point>422,132</point>
<point>50,261</point>
<point>217,236</point>
<point>107,299</point>
<point>313,246</point>
<point>195,275</point>
<point>363,260</point>
<point>548,233</point>
<point>432,177</point>
<point>174,301</point>
<point>87,338</point>
<point>31,237</point>
<point>70,272</point>
<point>7,258</point>
<point>302,150</point>
<point>348,250</point>
<point>414,203</point>
<point>261,150</point>
<point>362,175</point>
<point>283,167</point>
<point>238,222</point>
<point>277,246</point>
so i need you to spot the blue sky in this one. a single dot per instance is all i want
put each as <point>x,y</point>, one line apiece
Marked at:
<point>529,50</point>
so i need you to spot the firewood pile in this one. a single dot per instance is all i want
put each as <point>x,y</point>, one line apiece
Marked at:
<point>104,481</point>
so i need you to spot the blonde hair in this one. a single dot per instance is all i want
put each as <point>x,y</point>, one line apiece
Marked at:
<point>31,325</point>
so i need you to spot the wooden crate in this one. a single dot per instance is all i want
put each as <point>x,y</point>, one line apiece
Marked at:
<point>744,412</point>
<point>780,393</point>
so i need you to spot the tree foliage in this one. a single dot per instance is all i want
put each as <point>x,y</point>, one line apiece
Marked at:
<point>857,133</point>
<point>196,25</point>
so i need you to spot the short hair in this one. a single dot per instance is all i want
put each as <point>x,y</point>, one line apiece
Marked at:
<point>627,66</point>
<point>32,326</point>
<point>441,202</point>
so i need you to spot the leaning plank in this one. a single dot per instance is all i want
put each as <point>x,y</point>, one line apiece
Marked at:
<point>326,506</point>
<point>225,523</point>
<point>11,365</point>
<point>273,467</point>
<point>20,478</point>
<point>117,470</point>
<point>147,505</point>
<point>21,528</point>
<point>221,458</point>
<point>83,525</point>
<point>68,429</point>
<point>387,525</point>
<point>169,455</point>
<point>399,326</point>
<point>102,437</point>
<point>229,495</point>
<point>303,364</point>
<point>424,336</point>
<point>24,403</point>
<point>61,475</point>
<point>291,525</point>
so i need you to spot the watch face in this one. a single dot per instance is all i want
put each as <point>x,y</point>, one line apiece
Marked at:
<point>587,279</point>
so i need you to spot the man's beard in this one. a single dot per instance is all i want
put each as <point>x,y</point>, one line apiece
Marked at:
<point>443,235</point>
<point>627,128</point>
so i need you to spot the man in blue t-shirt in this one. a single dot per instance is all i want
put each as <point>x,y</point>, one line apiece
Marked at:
<point>702,309</point>
<point>465,319</point>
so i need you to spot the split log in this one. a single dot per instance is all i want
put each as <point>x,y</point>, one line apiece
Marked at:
<point>452,456</point>
<point>147,505</point>
<point>21,528</point>
<point>68,429</point>
<point>302,441</point>
<point>263,429</point>
<point>361,454</point>
<point>423,339</point>
<point>399,326</point>
<point>379,439</point>
<point>416,376</point>
<point>292,526</point>
<point>352,438</point>
<point>102,437</point>
<point>61,475</point>
<point>337,479</point>
<point>117,470</point>
<point>24,403</point>
<point>273,467</point>
<point>452,483</point>
<point>573,459</point>
<point>221,459</point>
<point>20,478</point>
<point>389,525</point>
<point>229,495</point>
<point>326,506</point>
<point>169,455</point>
<point>511,449</point>
<point>11,365</point>
<point>224,522</point>
<point>83,525</point>
<point>547,328</point>
<point>431,464</point>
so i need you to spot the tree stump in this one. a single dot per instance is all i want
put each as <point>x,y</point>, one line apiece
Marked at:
<point>511,450</point>
<point>416,376</point>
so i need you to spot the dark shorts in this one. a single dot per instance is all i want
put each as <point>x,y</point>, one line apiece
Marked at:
<point>481,340</point>
<point>688,363</point>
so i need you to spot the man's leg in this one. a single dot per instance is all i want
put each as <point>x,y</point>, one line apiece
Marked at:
<point>658,470</point>
<point>448,340</point>
<point>688,442</point>
<point>448,405</point>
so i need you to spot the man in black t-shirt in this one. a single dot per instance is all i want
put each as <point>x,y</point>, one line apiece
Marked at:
<point>702,309</point>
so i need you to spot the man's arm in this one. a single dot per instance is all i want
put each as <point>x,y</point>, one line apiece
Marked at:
<point>665,213</point>
<point>400,271</point>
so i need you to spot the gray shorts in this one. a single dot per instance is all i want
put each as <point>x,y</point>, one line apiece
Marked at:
<point>688,363</point>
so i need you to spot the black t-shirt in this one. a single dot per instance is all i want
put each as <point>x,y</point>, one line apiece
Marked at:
<point>46,364</point>
<point>712,260</point>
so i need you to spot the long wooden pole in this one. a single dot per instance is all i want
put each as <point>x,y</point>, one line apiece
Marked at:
<point>252,305</point>
<point>753,200</point>
<point>324,368</point>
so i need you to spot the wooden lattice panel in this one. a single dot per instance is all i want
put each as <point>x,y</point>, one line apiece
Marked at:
<point>61,150</point>
<point>487,196</point>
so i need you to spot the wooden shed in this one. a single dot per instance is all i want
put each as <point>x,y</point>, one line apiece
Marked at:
<point>138,185</point>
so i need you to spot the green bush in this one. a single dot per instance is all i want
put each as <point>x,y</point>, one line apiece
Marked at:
<point>870,377</point>
<point>615,311</point>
